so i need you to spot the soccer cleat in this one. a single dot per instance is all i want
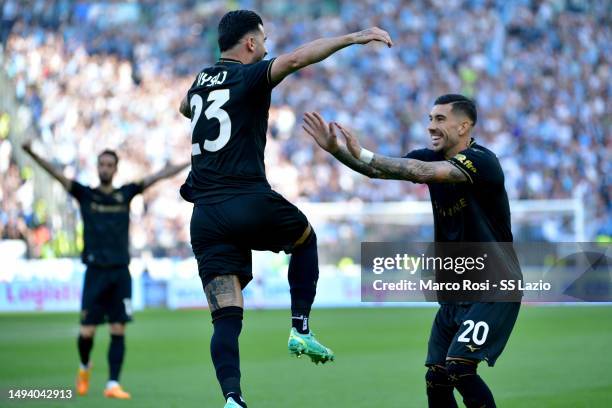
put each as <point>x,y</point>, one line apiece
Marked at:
<point>82,381</point>
<point>307,344</point>
<point>231,403</point>
<point>116,392</point>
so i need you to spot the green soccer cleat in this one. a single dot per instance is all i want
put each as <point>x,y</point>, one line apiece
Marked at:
<point>231,403</point>
<point>307,344</point>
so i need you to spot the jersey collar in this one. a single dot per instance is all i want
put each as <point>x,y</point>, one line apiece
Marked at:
<point>228,60</point>
<point>472,142</point>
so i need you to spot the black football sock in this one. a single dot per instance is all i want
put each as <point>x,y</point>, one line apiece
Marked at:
<point>303,276</point>
<point>116,352</point>
<point>300,323</point>
<point>475,392</point>
<point>224,351</point>
<point>439,388</point>
<point>85,344</point>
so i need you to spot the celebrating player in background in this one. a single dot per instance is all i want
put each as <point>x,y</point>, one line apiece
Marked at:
<point>236,210</point>
<point>455,169</point>
<point>107,290</point>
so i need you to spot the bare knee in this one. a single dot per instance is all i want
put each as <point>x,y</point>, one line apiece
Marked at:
<point>224,291</point>
<point>87,331</point>
<point>118,329</point>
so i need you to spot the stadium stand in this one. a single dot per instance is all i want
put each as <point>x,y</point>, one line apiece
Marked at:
<point>83,76</point>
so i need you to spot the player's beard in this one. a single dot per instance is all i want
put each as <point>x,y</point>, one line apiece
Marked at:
<point>260,57</point>
<point>105,180</point>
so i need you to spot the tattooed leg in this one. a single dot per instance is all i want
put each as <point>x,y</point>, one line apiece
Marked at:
<point>225,300</point>
<point>224,291</point>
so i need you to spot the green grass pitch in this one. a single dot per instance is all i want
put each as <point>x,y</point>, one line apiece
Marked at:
<point>556,357</point>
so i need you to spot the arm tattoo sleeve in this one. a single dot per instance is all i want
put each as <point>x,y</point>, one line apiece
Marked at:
<point>418,171</point>
<point>360,167</point>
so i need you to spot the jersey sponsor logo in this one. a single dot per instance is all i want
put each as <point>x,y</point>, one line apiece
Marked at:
<point>472,348</point>
<point>461,158</point>
<point>208,80</point>
<point>451,210</point>
<point>118,196</point>
<point>114,208</point>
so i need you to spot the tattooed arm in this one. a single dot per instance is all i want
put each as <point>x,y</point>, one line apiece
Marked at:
<point>418,171</point>
<point>346,158</point>
<point>413,170</point>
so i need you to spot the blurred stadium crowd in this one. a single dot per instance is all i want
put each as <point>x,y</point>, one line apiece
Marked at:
<point>90,75</point>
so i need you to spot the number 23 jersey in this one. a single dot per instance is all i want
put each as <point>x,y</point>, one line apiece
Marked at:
<point>229,104</point>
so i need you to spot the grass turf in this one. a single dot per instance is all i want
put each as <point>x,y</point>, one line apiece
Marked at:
<point>556,357</point>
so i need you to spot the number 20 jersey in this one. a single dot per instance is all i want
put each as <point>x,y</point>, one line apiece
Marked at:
<point>229,104</point>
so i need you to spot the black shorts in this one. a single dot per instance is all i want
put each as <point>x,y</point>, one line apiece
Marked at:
<point>107,296</point>
<point>477,331</point>
<point>223,234</point>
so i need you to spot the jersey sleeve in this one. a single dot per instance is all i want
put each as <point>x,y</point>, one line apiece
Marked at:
<point>257,76</point>
<point>131,190</point>
<point>78,191</point>
<point>480,167</point>
<point>422,155</point>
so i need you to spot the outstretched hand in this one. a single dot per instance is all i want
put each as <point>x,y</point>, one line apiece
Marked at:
<point>352,143</point>
<point>372,34</point>
<point>324,134</point>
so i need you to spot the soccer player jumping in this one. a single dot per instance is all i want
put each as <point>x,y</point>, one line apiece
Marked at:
<point>107,290</point>
<point>456,169</point>
<point>235,209</point>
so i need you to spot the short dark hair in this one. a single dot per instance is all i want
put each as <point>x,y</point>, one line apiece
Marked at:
<point>110,153</point>
<point>234,25</point>
<point>460,104</point>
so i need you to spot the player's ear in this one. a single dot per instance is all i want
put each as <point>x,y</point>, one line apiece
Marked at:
<point>250,43</point>
<point>464,127</point>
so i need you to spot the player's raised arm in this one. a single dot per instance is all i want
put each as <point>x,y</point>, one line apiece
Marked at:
<point>325,136</point>
<point>322,48</point>
<point>48,167</point>
<point>394,168</point>
<point>166,172</point>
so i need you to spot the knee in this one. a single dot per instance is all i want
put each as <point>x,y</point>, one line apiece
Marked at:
<point>224,291</point>
<point>227,323</point>
<point>437,376</point>
<point>229,312</point>
<point>117,329</point>
<point>459,370</point>
<point>87,331</point>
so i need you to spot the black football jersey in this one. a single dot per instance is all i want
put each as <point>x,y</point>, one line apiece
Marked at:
<point>106,223</point>
<point>474,211</point>
<point>229,106</point>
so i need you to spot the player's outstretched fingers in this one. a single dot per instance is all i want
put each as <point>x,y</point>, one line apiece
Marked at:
<point>332,130</point>
<point>320,119</point>
<point>351,142</point>
<point>384,36</point>
<point>307,130</point>
<point>311,123</point>
<point>374,34</point>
